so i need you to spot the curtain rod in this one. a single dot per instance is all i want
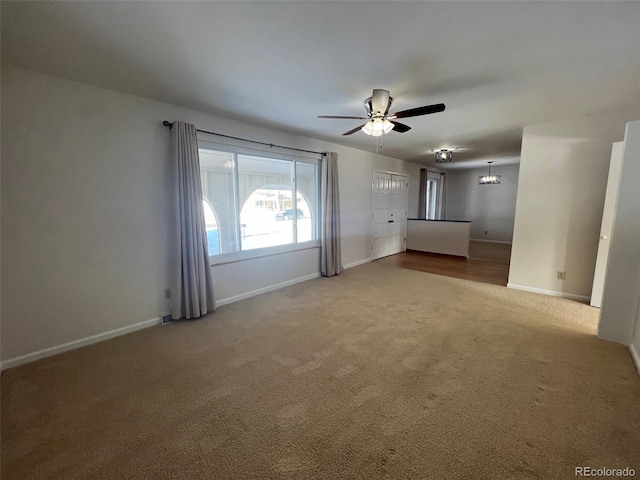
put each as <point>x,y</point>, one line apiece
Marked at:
<point>433,171</point>
<point>170,125</point>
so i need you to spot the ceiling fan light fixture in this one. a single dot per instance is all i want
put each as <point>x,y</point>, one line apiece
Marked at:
<point>378,126</point>
<point>444,155</point>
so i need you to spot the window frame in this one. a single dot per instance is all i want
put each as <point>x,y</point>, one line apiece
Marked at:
<point>433,189</point>
<point>295,246</point>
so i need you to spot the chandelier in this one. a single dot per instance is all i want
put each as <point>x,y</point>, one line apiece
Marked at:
<point>489,179</point>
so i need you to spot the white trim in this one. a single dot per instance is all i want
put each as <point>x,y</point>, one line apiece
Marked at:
<point>636,356</point>
<point>355,264</point>
<point>225,258</point>
<point>489,241</point>
<point>65,347</point>
<point>240,146</point>
<point>391,173</point>
<point>270,288</point>
<point>48,352</point>
<point>553,293</point>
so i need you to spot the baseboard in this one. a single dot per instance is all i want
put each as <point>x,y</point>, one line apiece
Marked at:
<point>48,352</point>
<point>553,293</point>
<point>83,342</point>
<point>355,264</point>
<point>270,288</point>
<point>489,241</point>
<point>636,356</point>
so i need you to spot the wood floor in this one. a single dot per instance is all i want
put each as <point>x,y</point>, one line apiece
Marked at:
<point>475,269</point>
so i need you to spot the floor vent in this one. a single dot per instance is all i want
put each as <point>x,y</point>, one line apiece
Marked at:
<point>165,319</point>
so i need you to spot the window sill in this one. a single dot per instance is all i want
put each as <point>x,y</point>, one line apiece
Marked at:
<point>261,252</point>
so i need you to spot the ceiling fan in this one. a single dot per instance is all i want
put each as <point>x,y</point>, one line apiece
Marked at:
<point>380,122</point>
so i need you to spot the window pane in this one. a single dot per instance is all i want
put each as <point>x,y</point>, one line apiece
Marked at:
<point>432,198</point>
<point>265,190</point>
<point>211,223</point>
<point>218,189</point>
<point>307,199</point>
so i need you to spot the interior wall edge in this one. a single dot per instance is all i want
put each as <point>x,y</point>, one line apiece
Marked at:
<point>270,288</point>
<point>490,241</point>
<point>553,293</point>
<point>75,344</point>
<point>636,356</point>
<point>357,263</point>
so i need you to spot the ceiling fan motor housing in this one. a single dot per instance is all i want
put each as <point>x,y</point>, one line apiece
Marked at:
<point>378,105</point>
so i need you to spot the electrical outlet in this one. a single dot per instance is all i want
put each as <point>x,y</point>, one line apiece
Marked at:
<point>561,275</point>
<point>167,293</point>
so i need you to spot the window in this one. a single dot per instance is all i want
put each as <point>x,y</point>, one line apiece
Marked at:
<point>254,200</point>
<point>432,198</point>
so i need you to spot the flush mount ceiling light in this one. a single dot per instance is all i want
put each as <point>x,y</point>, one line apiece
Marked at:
<point>489,179</point>
<point>443,155</point>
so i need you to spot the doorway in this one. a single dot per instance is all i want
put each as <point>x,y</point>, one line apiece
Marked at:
<point>389,214</point>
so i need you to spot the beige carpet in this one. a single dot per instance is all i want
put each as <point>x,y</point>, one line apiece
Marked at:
<point>380,373</point>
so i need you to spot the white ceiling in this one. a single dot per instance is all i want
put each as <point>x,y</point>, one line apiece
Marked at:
<point>497,66</point>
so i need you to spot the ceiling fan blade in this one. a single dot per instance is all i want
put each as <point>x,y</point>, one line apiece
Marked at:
<point>400,127</point>
<point>351,132</point>
<point>341,117</point>
<point>416,112</point>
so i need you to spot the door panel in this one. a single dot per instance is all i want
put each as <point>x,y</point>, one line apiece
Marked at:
<point>389,214</point>
<point>381,186</point>
<point>399,199</point>
<point>608,214</point>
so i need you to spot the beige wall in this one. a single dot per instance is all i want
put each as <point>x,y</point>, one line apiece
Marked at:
<point>622,281</point>
<point>561,188</point>
<point>491,208</point>
<point>85,234</point>
<point>635,340</point>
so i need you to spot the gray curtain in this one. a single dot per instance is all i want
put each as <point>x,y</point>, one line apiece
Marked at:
<point>442,198</point>
<point>422,207</point>
<point>191,282</point>
<point>330,257</point>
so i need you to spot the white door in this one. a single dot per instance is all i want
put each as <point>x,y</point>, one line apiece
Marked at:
<point>380,189</point>
<point>608,216</point>
<point>389,214</point>
<point>398,219</point>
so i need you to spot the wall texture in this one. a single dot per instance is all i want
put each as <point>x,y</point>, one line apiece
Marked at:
<point>85,210</point>
<point>561,188</point>
<point>491,208</point>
